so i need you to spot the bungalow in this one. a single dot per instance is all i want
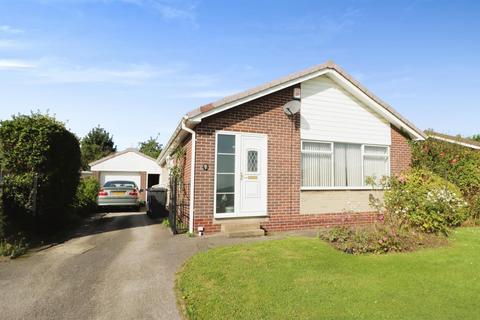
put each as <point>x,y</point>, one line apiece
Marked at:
<point>290,154</point>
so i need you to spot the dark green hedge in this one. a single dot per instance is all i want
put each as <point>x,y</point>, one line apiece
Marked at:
<point>457,164</point>
<point>38,147</point>
<point>2,217</point>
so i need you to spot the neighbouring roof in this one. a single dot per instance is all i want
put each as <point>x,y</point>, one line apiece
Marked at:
<point>119,153</point>
<point>469,143</point>
<point>193,117</point>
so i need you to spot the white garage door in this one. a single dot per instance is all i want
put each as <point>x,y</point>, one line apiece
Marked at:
<point>128,176</point>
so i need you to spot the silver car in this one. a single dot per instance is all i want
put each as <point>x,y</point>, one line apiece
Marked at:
<point>119,193</point>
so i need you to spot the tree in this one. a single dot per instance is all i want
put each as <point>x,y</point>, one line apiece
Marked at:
<point>98,143</point>
<point>151,147</point>
<point>476,137</point>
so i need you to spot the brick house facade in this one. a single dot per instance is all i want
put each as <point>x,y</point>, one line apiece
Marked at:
<point>265,115</point>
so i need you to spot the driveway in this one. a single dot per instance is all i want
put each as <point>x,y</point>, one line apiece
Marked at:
<point>119,266</point>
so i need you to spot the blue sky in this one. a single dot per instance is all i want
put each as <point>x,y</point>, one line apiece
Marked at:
<point>136,66</point>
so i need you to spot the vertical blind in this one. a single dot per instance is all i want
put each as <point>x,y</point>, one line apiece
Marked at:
<point>348,164</point>
<point>328,164</point>
<point>317,157</point>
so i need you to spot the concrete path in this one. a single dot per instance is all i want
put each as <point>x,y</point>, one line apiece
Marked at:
<point>119,266</point>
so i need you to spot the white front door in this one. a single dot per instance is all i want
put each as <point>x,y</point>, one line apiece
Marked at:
<point>241,175</point>
<point>253,178</point>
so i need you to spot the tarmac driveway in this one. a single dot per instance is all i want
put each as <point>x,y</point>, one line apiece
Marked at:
<point>119,266</point>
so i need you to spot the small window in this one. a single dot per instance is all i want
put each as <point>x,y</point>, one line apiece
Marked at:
<point>375,150</point>
<point>252,161</point>
<point>376,162</point>
<point>316,146</point>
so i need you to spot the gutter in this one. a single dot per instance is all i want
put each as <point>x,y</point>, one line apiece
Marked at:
<point>192,174</point>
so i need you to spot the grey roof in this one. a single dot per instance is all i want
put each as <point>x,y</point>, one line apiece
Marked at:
<point>327,65</point>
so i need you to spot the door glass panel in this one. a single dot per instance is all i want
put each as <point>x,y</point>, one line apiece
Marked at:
<point>226,144</point>
<point>252,161</point>
<point>225,203</point>
<point>226,163</point>
<point>225,183</point>
<point>225,171</point>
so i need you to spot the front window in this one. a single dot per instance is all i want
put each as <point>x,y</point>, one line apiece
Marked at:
<point>342,165</point>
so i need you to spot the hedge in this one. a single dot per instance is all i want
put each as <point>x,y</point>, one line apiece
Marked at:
<point>457,164</point>
<point>37,149</point>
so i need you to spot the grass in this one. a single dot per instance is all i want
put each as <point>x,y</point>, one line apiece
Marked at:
<point>305,278</point>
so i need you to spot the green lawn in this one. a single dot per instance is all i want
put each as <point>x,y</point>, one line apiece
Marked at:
<point>305,278</point>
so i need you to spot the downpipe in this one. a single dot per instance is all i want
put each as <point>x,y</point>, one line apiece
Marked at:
<point>192,174</point>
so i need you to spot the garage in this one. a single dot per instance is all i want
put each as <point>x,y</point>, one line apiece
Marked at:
<point>112,175</point>
<point>130,165</point>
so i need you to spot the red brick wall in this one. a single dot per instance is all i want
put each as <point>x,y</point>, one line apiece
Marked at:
<point>96,175</point>
<point>265,115</point>
<point>400,152</point>
<point>143,185</point>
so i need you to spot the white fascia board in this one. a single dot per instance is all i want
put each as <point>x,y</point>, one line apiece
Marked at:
<point>258,95</point>
<point>464,144</point>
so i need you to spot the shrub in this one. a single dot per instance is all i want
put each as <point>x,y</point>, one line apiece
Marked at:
<point>457,164</point>
<point>86,196</point>
<point>2,217</point>
<point>38,150</point>
<point>378,239</point>
<point>13,249</point>
<point>423,200</point>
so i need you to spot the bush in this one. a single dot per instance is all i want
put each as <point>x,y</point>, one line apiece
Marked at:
<point>38,150</point>
<point>378,239</point>
<point>13,249</point>
<point>2,217</point>
<point>86,196</point>
<point>457,164</point>
<point>423,200</point>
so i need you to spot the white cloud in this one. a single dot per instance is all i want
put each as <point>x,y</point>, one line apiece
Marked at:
<point>134,74</point>
<point>167,9</point>
<point>10,64</point>
<point>174,76</point>
<point>8,44</point>
<point>9,29</point>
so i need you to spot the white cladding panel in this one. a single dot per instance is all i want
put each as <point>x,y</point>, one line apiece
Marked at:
<point>129,161</point>
<point>127,176</point>
<point>330,113</point>
<point>164,176</point>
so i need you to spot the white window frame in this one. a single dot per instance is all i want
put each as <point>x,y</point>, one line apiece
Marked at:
<point>363,154</point>
<point>235,192</point>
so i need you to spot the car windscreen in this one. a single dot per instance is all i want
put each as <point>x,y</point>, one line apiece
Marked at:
<point>120,184</point>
